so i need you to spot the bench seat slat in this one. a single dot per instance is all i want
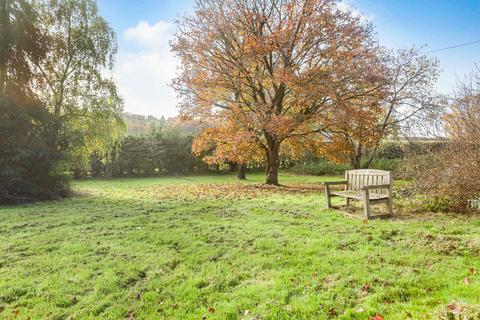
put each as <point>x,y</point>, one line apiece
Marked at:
<point>357,195</point>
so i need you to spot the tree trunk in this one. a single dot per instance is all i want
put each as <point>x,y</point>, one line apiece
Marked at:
<point>233,166</point>
<point>108,171</point>
<point>4,44</point>
<point>272,166</point>
<point>356,158</point>
<point>372,156</point>
<point>241,172</point>
<point>355,162</point>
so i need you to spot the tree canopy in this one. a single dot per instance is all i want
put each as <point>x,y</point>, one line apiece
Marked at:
<point>281,71</point>
<point>73,78</point>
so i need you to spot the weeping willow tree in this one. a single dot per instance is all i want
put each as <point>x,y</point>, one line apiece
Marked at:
<point>75,78</point>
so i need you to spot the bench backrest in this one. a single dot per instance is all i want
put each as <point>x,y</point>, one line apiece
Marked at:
<point>357,179</point>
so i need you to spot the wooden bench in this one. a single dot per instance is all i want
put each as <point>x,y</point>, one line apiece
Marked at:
<point>367,185</point>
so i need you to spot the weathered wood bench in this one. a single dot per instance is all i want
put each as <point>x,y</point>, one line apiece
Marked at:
<point>367,185</point>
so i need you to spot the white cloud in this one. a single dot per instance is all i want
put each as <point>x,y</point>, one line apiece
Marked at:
<point>149,36</point>
<point>346,5</point>
<point>146,70</point>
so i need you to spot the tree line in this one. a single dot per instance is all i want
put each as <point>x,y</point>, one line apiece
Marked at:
<point>162,151</point>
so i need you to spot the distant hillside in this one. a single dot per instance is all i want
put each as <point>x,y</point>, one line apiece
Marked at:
<point>138,124</point>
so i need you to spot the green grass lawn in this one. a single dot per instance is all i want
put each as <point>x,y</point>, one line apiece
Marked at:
<point>212,247</point>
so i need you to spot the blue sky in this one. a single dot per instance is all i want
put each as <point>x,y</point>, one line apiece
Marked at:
<point>145,66</point>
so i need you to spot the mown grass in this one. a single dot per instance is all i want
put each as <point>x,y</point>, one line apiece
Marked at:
<point>211,247</point>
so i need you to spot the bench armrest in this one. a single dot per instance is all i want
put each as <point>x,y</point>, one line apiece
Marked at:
<point>378,186</point>
<point>334,183</point>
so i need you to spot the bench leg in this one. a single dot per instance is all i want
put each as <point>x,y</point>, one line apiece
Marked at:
<point>327,194</point>
<point>366,204</point>
<point>390,206</point>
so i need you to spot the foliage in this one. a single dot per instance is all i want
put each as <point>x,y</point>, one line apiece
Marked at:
<point>384,164</point>
<point>29,163</point>
<point>20,43</point>
<point>72,79</point>
<point>30,166</point>
<point>139,124</point>
<point>391,150</point>
<point>452,172</point>
<point>162,151</point>
<point>409,106</point>
<point>193,246</point>
<point>278,71</point>
<point>227,142</point>
<point>324,167</point>
<point>57,54</point>
<point>320,167</point>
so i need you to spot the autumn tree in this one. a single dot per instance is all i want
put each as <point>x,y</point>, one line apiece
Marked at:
<point>409,106</point>
<point>277,69</point>
<point>355,128</point>
<point>228,142</point>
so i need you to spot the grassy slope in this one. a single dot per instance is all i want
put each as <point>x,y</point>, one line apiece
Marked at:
<point>192,246</point>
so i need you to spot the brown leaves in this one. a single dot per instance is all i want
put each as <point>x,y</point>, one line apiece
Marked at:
<point>247,67</point>
<point>225,191</point>
<point>366,288</point>
<point>377,317</point>
<point>471,272</point>
<point>227,142</point>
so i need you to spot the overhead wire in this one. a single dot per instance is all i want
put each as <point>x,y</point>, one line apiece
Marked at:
<point>454,46</point>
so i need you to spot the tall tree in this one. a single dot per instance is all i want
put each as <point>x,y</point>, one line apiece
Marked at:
<point>277,69</point>
<point>20,42</point>
<point>73,77</point>
<point>409,107</point>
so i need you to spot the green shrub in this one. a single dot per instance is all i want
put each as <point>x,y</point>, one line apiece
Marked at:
<point>30,165</point>
<point>386,164</point>
<point>320,167</point>
<point>162,151</point>
<point>391,150</point>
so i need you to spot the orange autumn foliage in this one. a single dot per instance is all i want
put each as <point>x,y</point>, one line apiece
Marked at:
<point>282,75</point>
<point>227,143</point>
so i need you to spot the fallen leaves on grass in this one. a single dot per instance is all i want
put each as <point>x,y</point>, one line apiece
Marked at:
<point>377,317</point>
<point>366,288</point>
<point>224,191</point>
<point>460,311</point>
